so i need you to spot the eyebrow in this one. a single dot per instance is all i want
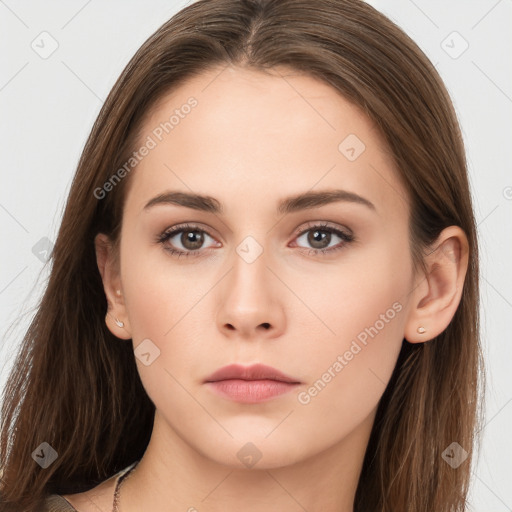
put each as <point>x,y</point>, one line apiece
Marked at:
<point>304,201</point>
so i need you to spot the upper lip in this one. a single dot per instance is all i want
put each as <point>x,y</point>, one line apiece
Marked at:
<point>252,372</point>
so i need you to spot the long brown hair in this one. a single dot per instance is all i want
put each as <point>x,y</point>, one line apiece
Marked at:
<point>76,387</point>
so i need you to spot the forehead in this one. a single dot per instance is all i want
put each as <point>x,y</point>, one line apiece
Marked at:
<point>237,133</point>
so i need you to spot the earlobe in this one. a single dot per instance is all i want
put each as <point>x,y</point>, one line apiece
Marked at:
<point>437,295</point>
<point>116,317</point>
<point>117,327</point>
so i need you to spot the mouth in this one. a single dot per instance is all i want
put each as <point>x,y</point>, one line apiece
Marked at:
<point>250,384</point>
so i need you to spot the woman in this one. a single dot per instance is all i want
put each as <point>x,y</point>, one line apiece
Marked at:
<point>264,291</point>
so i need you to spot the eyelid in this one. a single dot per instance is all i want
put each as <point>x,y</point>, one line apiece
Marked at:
<point>172,230</point>
<point>322,224</point>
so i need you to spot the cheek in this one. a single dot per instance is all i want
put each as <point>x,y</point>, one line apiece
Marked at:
<point>159,290</point>
<point>164,305</point>
<point>167,303</point>
<point>362,311</point>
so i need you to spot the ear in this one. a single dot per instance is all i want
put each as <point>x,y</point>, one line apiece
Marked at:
<point>437,293</point>
<point>112,286</point>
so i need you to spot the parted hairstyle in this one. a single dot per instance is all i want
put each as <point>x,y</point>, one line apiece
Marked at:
<point>76,387</point>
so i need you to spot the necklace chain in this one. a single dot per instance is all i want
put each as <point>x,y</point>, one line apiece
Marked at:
<point>120,480</point>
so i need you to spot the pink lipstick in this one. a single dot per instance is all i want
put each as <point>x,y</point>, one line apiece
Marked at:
<point>250,384</point>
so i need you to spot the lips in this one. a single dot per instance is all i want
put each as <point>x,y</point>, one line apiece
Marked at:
<point>250,373</point>
<point>250,384</point>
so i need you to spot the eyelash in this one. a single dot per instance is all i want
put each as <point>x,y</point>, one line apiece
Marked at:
<point>169,233</point>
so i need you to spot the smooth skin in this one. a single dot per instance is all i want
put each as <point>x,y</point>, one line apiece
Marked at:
<point>253,140</point>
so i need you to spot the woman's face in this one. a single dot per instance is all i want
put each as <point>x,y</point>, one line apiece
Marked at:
<point>316,288</point>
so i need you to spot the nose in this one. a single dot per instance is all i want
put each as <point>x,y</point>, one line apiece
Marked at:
<point>250,301</point>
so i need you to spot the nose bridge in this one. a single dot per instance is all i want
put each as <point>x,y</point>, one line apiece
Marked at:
<point>249,297</point>
<point>249,280</point>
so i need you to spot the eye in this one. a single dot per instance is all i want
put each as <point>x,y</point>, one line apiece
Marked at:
<point>320,236</point>
<point>191,240</point>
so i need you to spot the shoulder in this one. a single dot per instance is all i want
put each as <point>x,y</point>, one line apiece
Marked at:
<point>100,497</point>
<point>56,503</point>
<point>97,498</point>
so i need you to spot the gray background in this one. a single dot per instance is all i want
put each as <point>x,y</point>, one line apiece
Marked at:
<point>48,106</point>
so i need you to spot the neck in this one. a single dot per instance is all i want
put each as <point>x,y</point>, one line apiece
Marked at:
<point>173,476</point>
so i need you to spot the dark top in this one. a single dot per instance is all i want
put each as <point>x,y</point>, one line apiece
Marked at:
<point>56,503</point>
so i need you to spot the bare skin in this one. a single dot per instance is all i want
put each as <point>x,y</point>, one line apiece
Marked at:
<point>252,140</point>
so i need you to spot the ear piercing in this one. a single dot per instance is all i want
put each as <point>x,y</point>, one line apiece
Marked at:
<point>421,330</point>
<point>117,321</point>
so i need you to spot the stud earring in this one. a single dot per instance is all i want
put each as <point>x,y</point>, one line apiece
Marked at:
<point>422,330</point>
<point>118,292</point>
<point>118,322</point>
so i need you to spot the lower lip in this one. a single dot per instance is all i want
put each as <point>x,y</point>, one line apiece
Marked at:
<point>251,391</point>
